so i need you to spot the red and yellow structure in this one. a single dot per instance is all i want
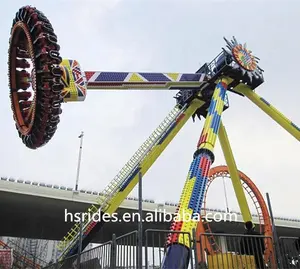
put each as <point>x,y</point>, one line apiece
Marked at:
<point>193,192</point>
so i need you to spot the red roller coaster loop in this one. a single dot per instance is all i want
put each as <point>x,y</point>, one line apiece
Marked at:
<point>260,205</point>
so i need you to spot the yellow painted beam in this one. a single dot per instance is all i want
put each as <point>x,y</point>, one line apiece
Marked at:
<point>275,114</point>
<point>234,175</point>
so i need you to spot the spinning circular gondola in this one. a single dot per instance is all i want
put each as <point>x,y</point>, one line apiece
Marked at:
<point>34,77</point>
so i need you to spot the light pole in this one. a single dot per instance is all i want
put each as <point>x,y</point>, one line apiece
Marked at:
<point>140,224</point>
<point>79,160</point>
<point>76,189</point>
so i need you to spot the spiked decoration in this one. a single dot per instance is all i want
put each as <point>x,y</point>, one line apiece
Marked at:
<point>246,62</point>
<point>34,63</point>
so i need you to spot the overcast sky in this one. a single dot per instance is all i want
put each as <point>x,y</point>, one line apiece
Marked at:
<point>163,36</point>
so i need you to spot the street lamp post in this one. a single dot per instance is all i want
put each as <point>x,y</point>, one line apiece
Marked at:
<point>79,160</point>
<point>76,189</point>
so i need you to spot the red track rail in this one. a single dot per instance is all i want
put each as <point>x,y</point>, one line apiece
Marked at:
<point>259,202</point>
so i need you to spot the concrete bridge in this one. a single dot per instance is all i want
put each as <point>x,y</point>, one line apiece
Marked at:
<point>36,210</point>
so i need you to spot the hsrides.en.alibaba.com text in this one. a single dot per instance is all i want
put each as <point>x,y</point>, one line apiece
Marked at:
<point>156,216</point>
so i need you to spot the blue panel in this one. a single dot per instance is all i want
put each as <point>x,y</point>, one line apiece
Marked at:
<point>112,76</point>
<point>195,192</point>
<point>199,190</point>
<point>128,180</point>
<point>222,90</point>
<point>265,101</point>
<point>212,106</point>
<point>294,125</point>
<point>155,77</point>
<point>215,122</point>
<point>185,88</point>
<point>201,195</point>
<point>190,77</point>
<point>194,166</point>
<point>177,257</point>
<point>167,133</point>
<point>223,93</point>
<point>197,186</point>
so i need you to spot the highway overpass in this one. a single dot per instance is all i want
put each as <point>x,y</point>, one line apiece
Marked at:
<point>36,210</point>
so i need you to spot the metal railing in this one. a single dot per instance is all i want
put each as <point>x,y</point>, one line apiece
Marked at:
<point>208,250</point>
<point>290,251</point>
<point>155,248</point>
<point>125,253</point>
<point>235,251</point>
<point>98,257</point>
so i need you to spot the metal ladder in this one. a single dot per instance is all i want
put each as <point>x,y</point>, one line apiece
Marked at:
<point>103,201</point>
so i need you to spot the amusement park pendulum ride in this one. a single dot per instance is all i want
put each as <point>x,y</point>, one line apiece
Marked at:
<point>40,81</point>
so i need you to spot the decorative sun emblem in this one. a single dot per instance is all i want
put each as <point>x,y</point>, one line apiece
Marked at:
<point>244,58</point>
